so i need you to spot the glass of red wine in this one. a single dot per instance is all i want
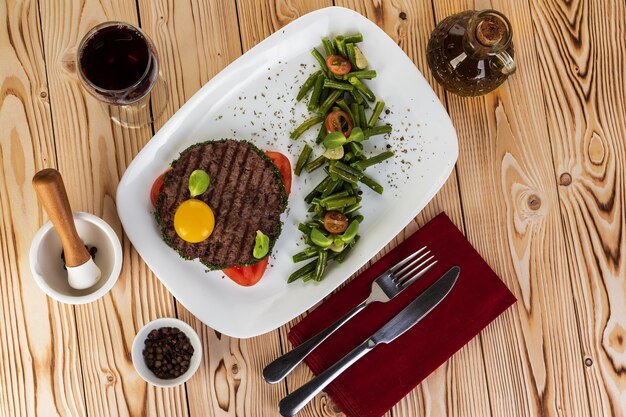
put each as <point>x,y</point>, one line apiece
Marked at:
<point>118,65</point>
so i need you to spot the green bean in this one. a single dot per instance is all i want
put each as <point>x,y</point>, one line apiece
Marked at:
<point>347,168</point>
<point>359,218</point>
<point>355,148</point>
<point>304,229</point>
<point>343,106</point>
<point>308,276</point>
<point>362,74</point>
<point>321,134</point>
<point>348,188</point>
<point>302,271</point>
<point>362,88</point>
<point>303,159</point>
<point>377,130</point>
<point>337,85</point>
<point>320,59</point>
<point>365,104</point>
<point>376,113</point>
<point>352,208</point>
<point>335,196</point>
<point>330,188</point>
<point>340,45</point>
<point>350,53</point>
<point>329,47</point>
<point>320,266</point>
<point>372,184</point>
<point>340,203</point>
<point>309,197</point>
<point>314,100</point>
<point>328,103</point>
<point>349,156</point>
<point>308,253</point>
<point>344,175</point>
<point>315,164</point>
<point>324,95</point>
<point>354,110</point>
<point>356,96</point>
<point>373,160</point>
<point>362,118</point>
<point>322,185</point>
<point>354,38</point>
<point>305,126</point>
<point>308,84</point>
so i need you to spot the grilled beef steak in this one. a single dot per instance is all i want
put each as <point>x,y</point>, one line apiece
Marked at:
<point>246,194</point>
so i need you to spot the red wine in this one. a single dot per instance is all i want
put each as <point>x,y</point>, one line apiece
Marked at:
<point>118,63</point>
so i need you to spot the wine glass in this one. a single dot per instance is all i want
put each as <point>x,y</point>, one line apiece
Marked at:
<point>118,65</point>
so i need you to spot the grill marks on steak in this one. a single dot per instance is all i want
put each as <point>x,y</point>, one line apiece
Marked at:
<point>245,195</point>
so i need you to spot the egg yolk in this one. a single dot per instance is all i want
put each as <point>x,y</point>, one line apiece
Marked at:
<point>194,221</point>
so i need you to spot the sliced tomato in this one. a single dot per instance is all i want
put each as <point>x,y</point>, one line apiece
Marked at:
<point>247,276</point>
<point>157,186</point>
<point>339,121</point>
<point>338,65</point>
<point>284,166</point>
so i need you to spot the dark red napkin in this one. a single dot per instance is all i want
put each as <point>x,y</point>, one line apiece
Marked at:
<point>374,384</point>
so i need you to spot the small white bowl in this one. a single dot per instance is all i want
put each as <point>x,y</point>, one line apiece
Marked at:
<point>46,264</point>
<point>138,346</point>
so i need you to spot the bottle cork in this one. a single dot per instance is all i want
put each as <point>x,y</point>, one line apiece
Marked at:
<point>490,31</point>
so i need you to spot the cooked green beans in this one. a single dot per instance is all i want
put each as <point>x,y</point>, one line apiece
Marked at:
<point>329,47</point>
<point>377,130</point>
<point>338,193</point>
<point>380,105</point>
<point>330,100</point>
<point>305,126</point>
<point>308,84</point>
<point>337,85</point>
<point>358,84</point>
<point>315,164</point>
<point>303,159</point>
<point>373,160</point>
<point>320,59</point>
<point>317,92</point>
<point>354,38</point>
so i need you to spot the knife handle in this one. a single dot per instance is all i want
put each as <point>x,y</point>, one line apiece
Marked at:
<point>282,366</point>
<point>294,402</point>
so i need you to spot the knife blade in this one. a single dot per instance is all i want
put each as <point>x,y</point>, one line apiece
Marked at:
<point>403,321</point>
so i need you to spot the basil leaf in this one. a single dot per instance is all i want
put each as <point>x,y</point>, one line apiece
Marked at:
<point>334,140</point>
<point>199,182</point>
<point>261,245</point>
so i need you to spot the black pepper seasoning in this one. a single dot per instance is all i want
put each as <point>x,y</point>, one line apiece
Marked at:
<point>167,352</point>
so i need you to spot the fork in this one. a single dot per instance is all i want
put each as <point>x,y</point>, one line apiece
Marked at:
<point>389,284</point>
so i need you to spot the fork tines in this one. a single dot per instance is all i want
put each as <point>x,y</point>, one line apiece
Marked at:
<point>412,267</point>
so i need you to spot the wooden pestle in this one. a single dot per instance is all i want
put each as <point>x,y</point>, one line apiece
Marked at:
<point>53,197</point>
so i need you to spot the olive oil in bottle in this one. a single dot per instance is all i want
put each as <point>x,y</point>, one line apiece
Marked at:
<point>471,53</point>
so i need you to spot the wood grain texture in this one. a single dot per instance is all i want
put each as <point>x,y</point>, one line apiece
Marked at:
<point>38,340</point>
<point>581,47</point>
<point>229,382</point>
<point>92,155</point>
<point>511,214</point>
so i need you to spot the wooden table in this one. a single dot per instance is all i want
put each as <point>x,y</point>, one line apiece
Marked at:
<point>539,190</point>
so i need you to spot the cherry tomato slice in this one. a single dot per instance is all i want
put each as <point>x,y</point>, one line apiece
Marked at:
<point>284,166</point>
<point>335,222</point>
<point>335,122</point>
<point>157,186</point>
<point>338,65</point>
<point>247,276</point>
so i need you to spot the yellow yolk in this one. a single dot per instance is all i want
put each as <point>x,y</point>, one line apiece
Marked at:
<point>194,221</point>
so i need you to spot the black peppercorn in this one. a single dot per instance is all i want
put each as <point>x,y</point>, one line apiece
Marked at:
<point>167,352</point>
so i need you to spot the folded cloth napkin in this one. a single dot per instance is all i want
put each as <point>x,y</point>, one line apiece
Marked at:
<point>372,386</point>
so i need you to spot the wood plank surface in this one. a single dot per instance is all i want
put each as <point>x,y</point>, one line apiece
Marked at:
<point>511,215</point>
<point>538,190</point>
<point>92,155</point>
<point>581,48</point>
<point>38,340</point>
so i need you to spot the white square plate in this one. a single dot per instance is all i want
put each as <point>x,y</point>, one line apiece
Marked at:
<point>254,99</point>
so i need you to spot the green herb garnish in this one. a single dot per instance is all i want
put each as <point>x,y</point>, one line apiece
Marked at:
<point>261,245</point>
<point>199,182</point>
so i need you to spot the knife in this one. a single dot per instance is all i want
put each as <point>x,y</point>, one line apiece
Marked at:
<point>402,322</point>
